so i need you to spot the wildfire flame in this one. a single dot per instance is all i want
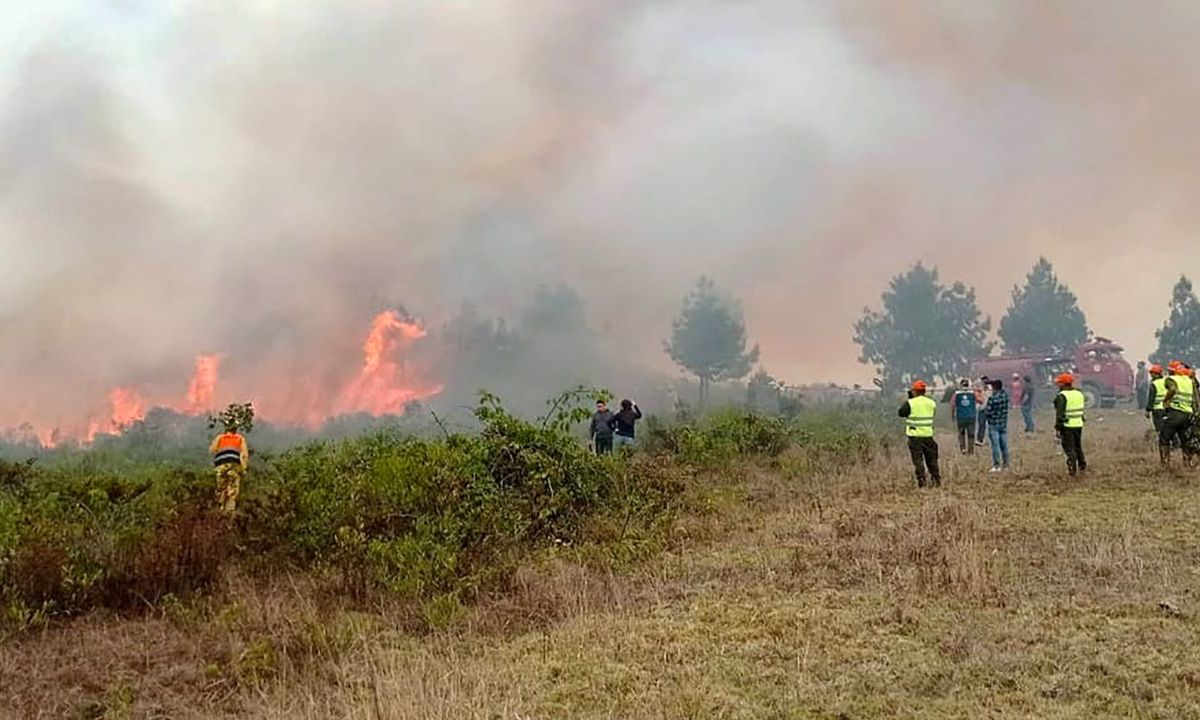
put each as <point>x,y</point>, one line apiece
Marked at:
<point>382,386</point>
<point>203,385</point>
<point>48,437</point>
<point>127,407</point>
<point>385,383</point>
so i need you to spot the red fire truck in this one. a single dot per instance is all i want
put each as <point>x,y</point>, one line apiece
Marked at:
<point>1100,369</point>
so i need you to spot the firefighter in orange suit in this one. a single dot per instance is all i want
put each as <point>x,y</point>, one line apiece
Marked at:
<point>231,457</point>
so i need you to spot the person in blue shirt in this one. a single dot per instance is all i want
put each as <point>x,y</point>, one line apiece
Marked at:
<point>965,410</point>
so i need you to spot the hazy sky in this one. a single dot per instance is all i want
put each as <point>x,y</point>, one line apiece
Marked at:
<point>257,178</point>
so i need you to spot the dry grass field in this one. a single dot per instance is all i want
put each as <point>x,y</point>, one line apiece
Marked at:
<point>843,594</point>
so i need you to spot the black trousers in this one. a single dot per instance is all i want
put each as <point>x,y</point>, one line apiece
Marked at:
<point>924,452</point>
<point>966,436</point>
<point>1176,430</point>
<point>1072,445</point>
<point>603,444</point>
<point>1158,416</point>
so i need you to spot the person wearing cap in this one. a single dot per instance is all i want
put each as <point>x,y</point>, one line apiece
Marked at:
<point>919,413</point>
<point>1156,393</point>
<point>1069,406</point>
<point>1180,404</point>
<point>965,411</point>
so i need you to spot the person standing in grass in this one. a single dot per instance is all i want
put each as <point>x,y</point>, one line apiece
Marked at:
<point>919,413</point>
<point>965,412</point>
<point>231,458</point>
<point>981,390</point>
<point>1156,396</point>
<point>602,429</point>
<point>1069,408</point>
<point>997,425</point>
<point>1141,383</point>
<point>1180,402</point>
<point>1027,397</point>
<point>623,423</point>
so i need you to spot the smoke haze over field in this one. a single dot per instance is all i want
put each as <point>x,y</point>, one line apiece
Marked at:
<point>257,180</point>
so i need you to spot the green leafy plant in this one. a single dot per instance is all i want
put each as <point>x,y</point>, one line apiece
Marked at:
<point>237,418</point>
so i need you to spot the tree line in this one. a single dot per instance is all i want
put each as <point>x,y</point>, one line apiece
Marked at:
<point>925,328</point>
<point>934,331</point>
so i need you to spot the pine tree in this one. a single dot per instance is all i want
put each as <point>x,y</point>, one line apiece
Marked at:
<point>708,339</point>
<point>925,330</point>
<point>1179,337</point>
<point>1044,315</point>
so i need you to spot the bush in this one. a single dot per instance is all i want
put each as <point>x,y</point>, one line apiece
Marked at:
<point>430,520</point>
<point>71,541</point>
<point>715,440</point>
<point>419,518</point>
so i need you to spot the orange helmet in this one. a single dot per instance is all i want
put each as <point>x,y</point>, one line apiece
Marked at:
<point>919,385</point>
<point>1174,365</point>
<point>1156,369</point>
<point>1065,379</point>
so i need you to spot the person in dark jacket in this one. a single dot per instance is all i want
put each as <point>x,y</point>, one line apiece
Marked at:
<point>601,432</point>
<point>624,421</point>
<point>965,411</point>
<point>1028,393</point>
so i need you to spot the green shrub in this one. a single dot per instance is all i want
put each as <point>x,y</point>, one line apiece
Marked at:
<point>71,541</point>
<point>723,436</point>
<point>427,519</point>
<point>418,517</point>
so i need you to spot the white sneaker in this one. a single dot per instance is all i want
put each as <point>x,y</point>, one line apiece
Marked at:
<point>996,469</point>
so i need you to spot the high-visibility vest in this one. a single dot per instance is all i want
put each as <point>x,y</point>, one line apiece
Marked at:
<point>1160,392</point>
<point>1184,399</point>
<point>229,449</point>
<point>919,422</point>
<point>1076,402</point>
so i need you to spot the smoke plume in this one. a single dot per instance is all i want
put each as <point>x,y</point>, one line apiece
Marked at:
<point>258,181</point>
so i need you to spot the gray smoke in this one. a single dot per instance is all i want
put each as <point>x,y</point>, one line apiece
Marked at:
<point>258,179</point>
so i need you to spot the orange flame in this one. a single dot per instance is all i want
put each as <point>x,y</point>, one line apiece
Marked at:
<point>48,437</point>
<point>127,407</point>
<point>385,383</point>
<point>381,386</point>
<point>203,385</point>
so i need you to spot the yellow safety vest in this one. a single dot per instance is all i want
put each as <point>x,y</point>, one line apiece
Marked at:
<point>1076,401</point>
<point>1184,399</point>
<point>1160,392</point>
<point>919,422</point>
